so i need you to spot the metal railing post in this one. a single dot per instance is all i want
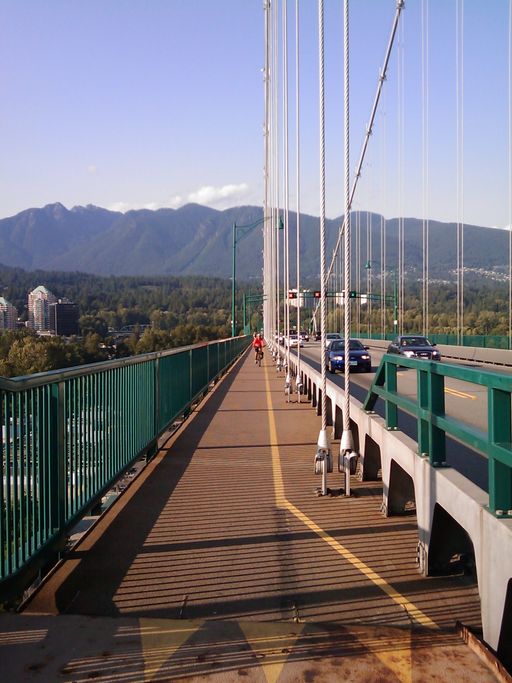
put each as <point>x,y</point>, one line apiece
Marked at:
<point>436,407</point>
<point>423,413</point>
<point>391,386</point>
<point>500,434</point>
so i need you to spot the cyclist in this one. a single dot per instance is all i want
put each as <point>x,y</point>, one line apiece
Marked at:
<point>258,344</point>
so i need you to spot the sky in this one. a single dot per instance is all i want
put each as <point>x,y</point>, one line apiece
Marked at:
<point>156,103</point>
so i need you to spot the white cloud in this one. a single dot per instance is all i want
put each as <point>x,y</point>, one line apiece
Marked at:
<point>123,207</point>
<point>176,202</point>
<point>219,197</point>
<point>215,196</point>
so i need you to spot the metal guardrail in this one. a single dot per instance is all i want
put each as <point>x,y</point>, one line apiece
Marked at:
<point>66,436</point>
<point>434,425</point>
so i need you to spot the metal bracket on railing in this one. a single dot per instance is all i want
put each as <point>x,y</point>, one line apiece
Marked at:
<point>347,463</point>
<point>422,557</point>
<point>323,461</point>
<point>298,387</point>
<point>288,387</point>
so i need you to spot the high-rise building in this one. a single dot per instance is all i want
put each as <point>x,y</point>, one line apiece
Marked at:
<point>8,315</point>
<point>64,318</point>
<point>39,301</point>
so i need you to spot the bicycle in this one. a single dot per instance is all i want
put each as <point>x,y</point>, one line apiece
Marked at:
<point>259,356</point>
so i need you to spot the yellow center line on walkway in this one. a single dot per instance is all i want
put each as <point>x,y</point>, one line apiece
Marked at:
<point>282,502</point>
<point>459,394</point>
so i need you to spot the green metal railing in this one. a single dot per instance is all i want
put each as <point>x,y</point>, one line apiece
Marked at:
<point>434,424</point>
<point>486,341</point>
<point>66,436</point>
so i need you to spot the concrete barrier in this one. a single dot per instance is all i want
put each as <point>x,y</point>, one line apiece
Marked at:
<point>435,491</point>
<point>475,354</point>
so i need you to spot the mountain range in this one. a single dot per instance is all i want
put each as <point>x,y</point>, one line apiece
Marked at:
<point>197,240</point>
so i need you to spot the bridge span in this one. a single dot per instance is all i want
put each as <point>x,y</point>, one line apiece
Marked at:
<point>219,562</point>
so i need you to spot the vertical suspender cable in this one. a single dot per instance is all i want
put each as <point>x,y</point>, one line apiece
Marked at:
<point>425,159</point>
<point>275,197</point>
<point>383,302</point>
<point>323,461</point>
<point>297,184</point>
<point>266,206</point>
<point>346,444</point>
<point>462,170</point>
<point>457,161</point>
<point>510,174</point>
<point>339,289</point>
<point>322,207</point>
<point>460,167</point>
<point>358,272</point>
<point>367,267</point>
<point>277,168</point>
<point>400,4</point>
<point>273,165</point>
<point>383,231</point>
<point>286,189</point>
<point>399,179</point>
<point>401,211</point>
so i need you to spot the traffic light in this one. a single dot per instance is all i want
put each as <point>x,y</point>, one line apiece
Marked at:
<point>317,294</point>
<point>352,294</point>
<point>292,294</point>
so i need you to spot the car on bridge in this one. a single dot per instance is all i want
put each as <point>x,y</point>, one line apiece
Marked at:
<point>414,346</point>
<point>359,358</point>
<point>293,341</point>
<point>332,336</point>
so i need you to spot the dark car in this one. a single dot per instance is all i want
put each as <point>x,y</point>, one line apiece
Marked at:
<point>359,358</point>
<point>414,346</point>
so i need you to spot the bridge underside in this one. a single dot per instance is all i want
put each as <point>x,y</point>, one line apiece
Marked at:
<point>224,525</point>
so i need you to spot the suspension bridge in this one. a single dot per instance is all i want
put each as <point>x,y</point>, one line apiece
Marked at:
<point>189,514</point>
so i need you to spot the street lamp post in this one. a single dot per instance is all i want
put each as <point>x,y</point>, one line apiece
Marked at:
<point>385,299</point>
<point>233,285</point>
<point>243,230</point>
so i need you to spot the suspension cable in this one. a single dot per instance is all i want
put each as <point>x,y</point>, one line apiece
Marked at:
<point>460,166</point>
<point>286,254</point>
<point>266,231</point>
<point>510,175</point>
<point>277,167</point>
<point>400,156</point>
<point>425,159</point>
<point>382,77</point>
<point>321,100</point>
<point>346,441</point>
<point>297,182</point>
<point>369,273</point>
<point>358,271</point>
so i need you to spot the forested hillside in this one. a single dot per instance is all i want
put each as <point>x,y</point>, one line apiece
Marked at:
<point>197,240</point>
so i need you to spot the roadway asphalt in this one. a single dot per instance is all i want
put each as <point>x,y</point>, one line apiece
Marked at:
<point>219,562</point>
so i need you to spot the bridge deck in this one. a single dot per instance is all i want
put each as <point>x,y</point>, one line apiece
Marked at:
<point>224,525</point>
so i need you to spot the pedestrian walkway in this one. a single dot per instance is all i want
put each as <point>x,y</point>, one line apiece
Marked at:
<point>219,559</point>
